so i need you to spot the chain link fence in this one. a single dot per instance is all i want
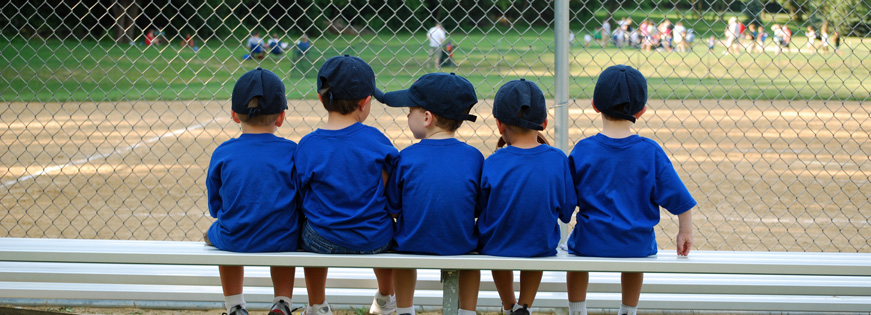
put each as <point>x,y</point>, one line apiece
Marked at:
<point>112,109</point>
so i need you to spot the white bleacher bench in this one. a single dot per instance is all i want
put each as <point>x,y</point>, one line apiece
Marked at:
<point>183,272</point>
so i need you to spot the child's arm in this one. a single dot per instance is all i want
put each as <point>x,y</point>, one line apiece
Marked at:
<point>685,233</point>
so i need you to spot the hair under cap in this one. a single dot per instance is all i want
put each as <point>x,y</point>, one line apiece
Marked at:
<point>445,94</point>
<point>520,103</point>
<point>621,92</point>
<point>263,83</point>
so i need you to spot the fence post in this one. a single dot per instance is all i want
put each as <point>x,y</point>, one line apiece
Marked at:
<point>561,84</point>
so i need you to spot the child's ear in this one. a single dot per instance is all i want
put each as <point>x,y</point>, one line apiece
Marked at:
<point>638,114</point>
<point>428,118</point>
<point>280,119</point>
<point>364,102</point>
<point>544,124</point>
<point>235,117</point>
<point>594,106</point>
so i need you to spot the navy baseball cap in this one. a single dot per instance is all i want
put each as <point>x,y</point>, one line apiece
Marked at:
<point>520,103</point>
<point>445,94</point>
<point>621,92</point>
<point>348,77</point>
<point>263,83</point>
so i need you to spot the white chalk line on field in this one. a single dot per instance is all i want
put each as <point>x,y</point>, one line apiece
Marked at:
<point>56,168</point>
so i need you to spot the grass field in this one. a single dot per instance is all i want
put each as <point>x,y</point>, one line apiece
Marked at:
<point>59,71</point>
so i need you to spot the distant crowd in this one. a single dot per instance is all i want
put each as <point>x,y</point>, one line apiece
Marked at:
<point>737,37</point>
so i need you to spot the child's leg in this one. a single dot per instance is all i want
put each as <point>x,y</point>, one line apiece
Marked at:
<point>282,285</point>
<point>316,284</point>
<point>630,283</point>
<point>576,286</point>
<point>384,301</point>
<point>470,284</point>
<point>231,283</point>
<point>504,281</point>
<point>529,283</point>
<point>282,280</point>
<point>404,282</point>
<point>385,280</point>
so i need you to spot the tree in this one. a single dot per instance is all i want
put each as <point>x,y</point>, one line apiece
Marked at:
<point>797,8</point>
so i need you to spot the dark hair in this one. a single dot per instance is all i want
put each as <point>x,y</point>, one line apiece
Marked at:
<point>442,122</point>
<point>518,130</point>
<point>259,120</point>
<point>344,107</point>
<point>618,108</point>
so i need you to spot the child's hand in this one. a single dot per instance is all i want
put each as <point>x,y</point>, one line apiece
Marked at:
<point>684,243</point>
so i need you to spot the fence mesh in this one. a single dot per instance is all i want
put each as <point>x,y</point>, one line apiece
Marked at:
<point>112,109</point>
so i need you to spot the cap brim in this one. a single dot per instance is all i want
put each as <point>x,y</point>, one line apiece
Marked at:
<point>379,95</point>
<point>401,98</point>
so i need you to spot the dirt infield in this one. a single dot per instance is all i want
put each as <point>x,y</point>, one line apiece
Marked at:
<point>768,175</point>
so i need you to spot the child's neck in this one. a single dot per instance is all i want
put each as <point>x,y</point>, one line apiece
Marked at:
<point>338,121</point>
<point>438,133</point>
<point>246,128</point>
<point>527,140</point>
<point>616,129</point>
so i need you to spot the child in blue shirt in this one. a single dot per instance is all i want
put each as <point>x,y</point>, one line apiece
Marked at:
<point>622,180</point>
<point>341,170</point>
<point>250,190</point>
<point>525,188</point>
<point>433,192</point>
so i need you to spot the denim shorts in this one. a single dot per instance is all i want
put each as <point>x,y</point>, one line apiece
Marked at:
<point>313,242</point>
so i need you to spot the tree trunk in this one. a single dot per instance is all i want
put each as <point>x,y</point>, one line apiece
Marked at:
<point>125,13</point>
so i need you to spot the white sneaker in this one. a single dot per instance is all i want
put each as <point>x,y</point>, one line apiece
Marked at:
<point>319,309</point>
<point>383,304</point>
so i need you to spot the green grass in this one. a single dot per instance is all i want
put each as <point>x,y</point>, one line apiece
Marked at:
<point>102,71</point>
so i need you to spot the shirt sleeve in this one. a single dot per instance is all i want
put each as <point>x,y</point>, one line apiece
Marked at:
<point>669,191</point>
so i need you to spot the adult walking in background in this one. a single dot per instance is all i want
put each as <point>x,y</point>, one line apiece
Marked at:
<point>436,36</point>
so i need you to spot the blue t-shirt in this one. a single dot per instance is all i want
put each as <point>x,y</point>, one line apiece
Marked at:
<point>523,193</point>
<point>339,175</point>
<point>435,191</point>
<point>252,194</point>
<point>621,183</point>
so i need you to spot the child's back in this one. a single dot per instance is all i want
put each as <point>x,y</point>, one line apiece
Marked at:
<point>621,185</point>
<point>340,177</point>
<point>436,180</point>
<point>251,194</point>
<point>524,193</point>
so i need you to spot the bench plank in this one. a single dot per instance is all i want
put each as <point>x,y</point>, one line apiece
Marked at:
<point>196,253</point>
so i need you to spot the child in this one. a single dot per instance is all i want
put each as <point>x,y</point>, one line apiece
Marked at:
<point>256,47</point>
<point>250,190</point>
<point>712,41</point>
<point>525,188</point>
<point>622,180</point>
<point>433,192</point>
<point>341,169</point>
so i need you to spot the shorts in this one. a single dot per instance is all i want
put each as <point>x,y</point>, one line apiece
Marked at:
<point>311,241</point>
<point>435,52</point>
